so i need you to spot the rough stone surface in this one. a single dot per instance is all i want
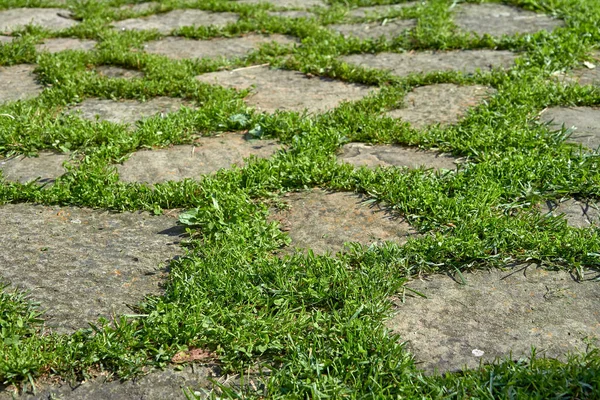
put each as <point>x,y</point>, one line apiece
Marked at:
<point>18,83</point>
<point>48,18</point>
<point>81,264</point>
<point>374,30</point>
<point>6,39</point>
<point>361,154</point>
<point>291,14</point>
<point>125,111</point>
<point>276,89</point>
<point>287,3</point>
<point>579,214</point>
<point>180,162</point>
<point>140,7</point>
<point>323,221</point>
<point>587,74</point>
<point>376,11</point>
<point>586,120</point>
<point>111,71</point>
<point>180,48</point>
<point>441,104</point>
<point>168,22</point>
<point>465,61</point>
<point>61,44</point>
<point>47,167</point>
<point>496,313</point>
<point>500,19</point>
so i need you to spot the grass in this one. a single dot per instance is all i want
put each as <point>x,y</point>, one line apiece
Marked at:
<point>315,321</point>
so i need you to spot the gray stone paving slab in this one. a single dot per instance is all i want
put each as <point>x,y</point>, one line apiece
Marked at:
<point>276,89</point>
<point>586,120</point>
<point>125,111</point>
<point>292,14</point>
<point>81,264</point>
<point>287,3</point>
<point>186,161</point>
<point>372,156</point>
<point>111,71</point>
<point>62,44</point>
<point>6,39</point>
<point>48,18</point>
<point>500,19</point>
<point>442,104</point>
<point>494,314</point>
<point>465,61</point>
<point>579,214</point>
<point>588,73</point>
<point>141,7</point>
<point>323,221</point>
<point>18,82</point>
<point>172,20</point>
<point>180,48</point>
<point>376,11</point>
<point>373,30</point>
<point>47,167</point>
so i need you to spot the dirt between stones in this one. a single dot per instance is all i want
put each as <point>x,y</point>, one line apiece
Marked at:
<point>80,264</point>
<point>495,314</point>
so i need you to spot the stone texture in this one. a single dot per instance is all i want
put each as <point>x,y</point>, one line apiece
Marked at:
<point>287,3</point>
<point>125,111</point>
<point>500,19</point>
<point>47,18</point>
<point>180,162</point>
<point>496,313</point>
<point>291,14</point>
<point>374,30</point>
<point>586,120</point>
<point>47,167</point>
<point>6,39</point>
<point>140,7</point>
<point>180,48</point>
<point>276,89</point>
<point>361,154</point>
<point>465,61</point>
<point>579,214</point>
<point>81,264</point>
<point>62,44</point>
<point>376,11</point>
<point>441,104</point>
<point>586,74</point>
<point>18,83</point>
<point>168,22</point>
<point>111,71</point>
<point>323,221</point>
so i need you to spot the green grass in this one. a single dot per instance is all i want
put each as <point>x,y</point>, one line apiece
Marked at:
<point>315,321</point>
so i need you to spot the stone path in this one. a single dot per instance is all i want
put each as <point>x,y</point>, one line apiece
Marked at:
<point>111,71</point>
<point>208,155</point>
<point>374,30</point>
<point>47,18</point>
<point>579,214</point>
<point>361,154</point>
<point>588,73</point>
<point>584,121</point>
<point>62,44</point>
<point>378,11</point>
<point>168,22</point>
<point>494,314</point>
<point>18,82</point>
<point>46,167</point>
<point>275,89</point>
<point>287,3</point>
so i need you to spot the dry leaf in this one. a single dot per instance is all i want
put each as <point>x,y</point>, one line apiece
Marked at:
<point>589,64</point>
<point>193,355</point>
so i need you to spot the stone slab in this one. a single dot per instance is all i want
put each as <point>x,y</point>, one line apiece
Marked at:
<point>287,3</point>
<point>18,82</point>
<point>81,264</point>
<point>6,39</point>
<point>500,19</point>
<point>112,71</point>
<point>276,89</point>
<point>465,61</point>
<point>377,11</point>
<point>323,221</point>
<point>186,161</point>
<point>48,18</point>
<point>291,14</point>
<point>442,104</point>
<point>47,167</point>
<point>373,156</point>
<point>373,30</point>
<point>62,44</point>
<point>586,120</point>
<point>587,74</point>
<point>179,48</point>
<point>579,214</point>
<point>494,314</point>
<point>168,22</point>
<point>125,111</point>
<point>141,7</point>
